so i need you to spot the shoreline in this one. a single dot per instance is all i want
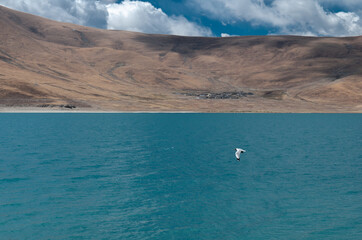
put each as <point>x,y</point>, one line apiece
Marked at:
<point>95,111</point>
<point>79,110</point>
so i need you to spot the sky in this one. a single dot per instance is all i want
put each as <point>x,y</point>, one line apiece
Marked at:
<point>217,18</point>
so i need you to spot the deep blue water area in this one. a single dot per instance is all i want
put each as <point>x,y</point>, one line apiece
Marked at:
<point>175,176</point>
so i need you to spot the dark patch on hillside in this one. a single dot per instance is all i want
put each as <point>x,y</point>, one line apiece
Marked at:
<point>183,45</point>
<point>84,41</point>
<point>6,59</point>
<point>35,31</point>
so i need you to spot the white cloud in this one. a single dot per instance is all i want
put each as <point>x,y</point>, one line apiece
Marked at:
<point>306,17</point>
<point>82,12</point>
<point>127,15</point>
<point>144,17</point>
<point>227,35</point>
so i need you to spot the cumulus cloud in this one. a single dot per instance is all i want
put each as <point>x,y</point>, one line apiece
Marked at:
<point>82,12</point>
<point>227,35</point>
<point>144,17</point>
<point>300,17</point>
<point>127,15</point>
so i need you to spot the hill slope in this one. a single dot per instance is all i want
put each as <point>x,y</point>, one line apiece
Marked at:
<point>49,64</point>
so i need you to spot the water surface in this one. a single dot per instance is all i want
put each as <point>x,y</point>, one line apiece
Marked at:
<point>174,176</point>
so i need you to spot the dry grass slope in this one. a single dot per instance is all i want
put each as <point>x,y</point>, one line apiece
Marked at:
<point>55,65</point>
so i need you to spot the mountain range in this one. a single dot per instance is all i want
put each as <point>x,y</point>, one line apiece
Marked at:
<point>54,65</point>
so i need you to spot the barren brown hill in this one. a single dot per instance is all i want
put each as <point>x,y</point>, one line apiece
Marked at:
<point>49,64</point>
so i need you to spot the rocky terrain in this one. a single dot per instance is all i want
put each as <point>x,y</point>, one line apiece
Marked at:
<point>52,65</point>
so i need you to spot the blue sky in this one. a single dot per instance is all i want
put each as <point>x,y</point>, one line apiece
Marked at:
<point>206,17</point>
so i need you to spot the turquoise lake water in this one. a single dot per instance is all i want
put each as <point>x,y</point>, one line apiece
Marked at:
<point>175,176</point>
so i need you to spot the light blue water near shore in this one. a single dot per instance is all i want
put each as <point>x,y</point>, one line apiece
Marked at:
<point>174,176</point>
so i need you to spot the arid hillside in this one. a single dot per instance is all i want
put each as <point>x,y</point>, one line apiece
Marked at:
<point>53,65</point>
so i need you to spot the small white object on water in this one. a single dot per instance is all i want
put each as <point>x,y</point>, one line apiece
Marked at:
<point>238,152</point>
